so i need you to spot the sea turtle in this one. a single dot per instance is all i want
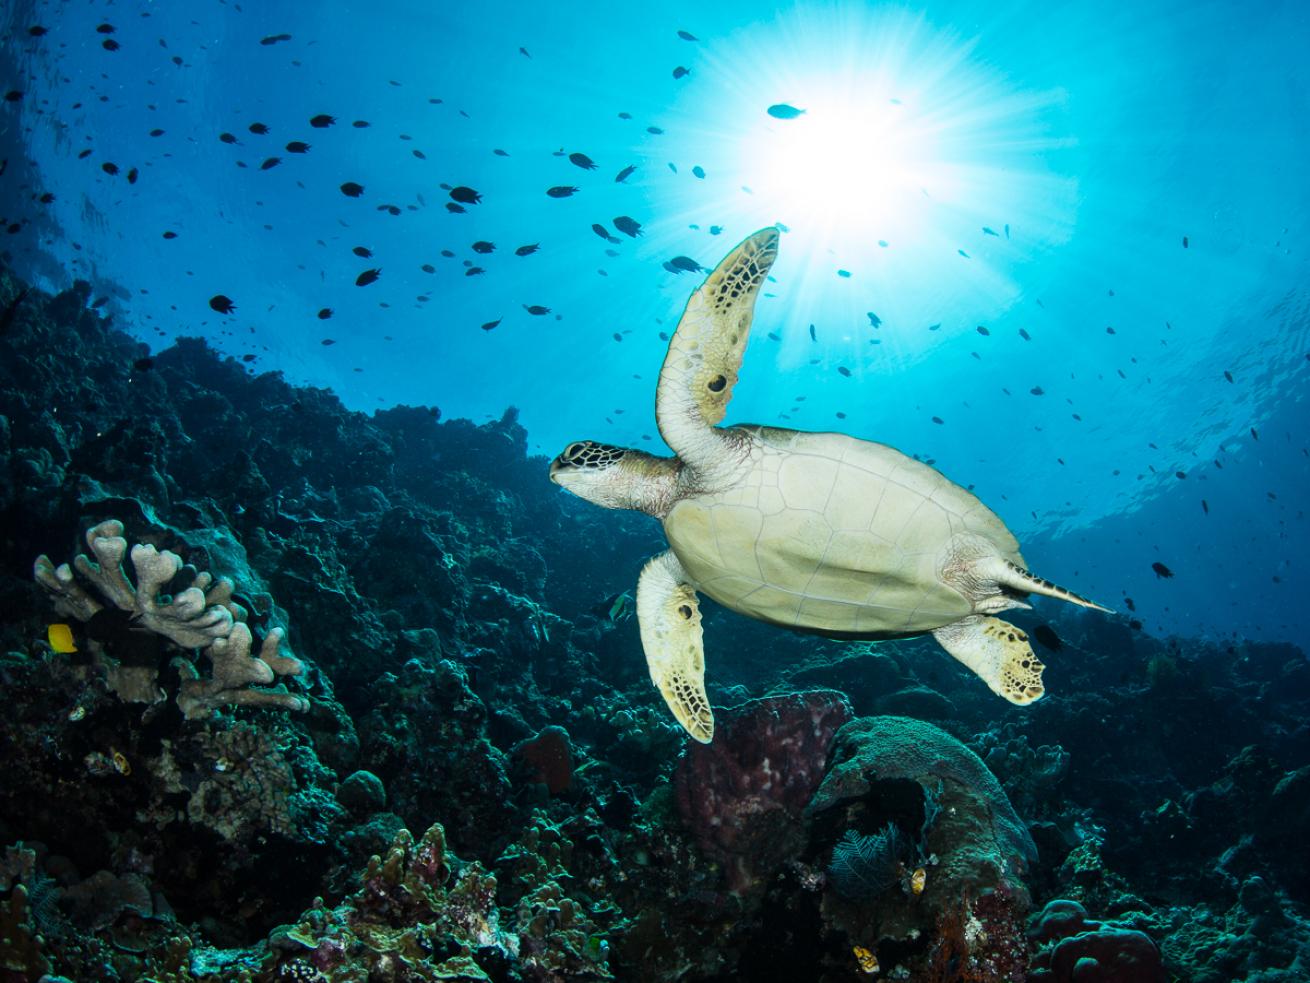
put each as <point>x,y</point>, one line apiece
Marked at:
<point>817,532</point>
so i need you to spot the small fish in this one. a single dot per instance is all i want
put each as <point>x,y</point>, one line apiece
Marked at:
<point>297,147</point>
<point>1037,391</point>
<point>964,254</point>
<point>324,313</point>
<point>844,371</point>
<point>328,342</point>
<point>918,880</point>
<point>484,247</point>
<point>227,138</point>
<point>352,189</point>
<point>625,115</point>
<point>274,39</point>
<point>455,209</point>
<point>1205,506</point>
<point>270,163</point>
<point>109,167</point>
<point>699,172</point>
<point>624,174</point>
<point>681,72</point>
<point>983,331</point>
<point>685,263</point>
<point>1161,571</point>
<point>1184,242</point>
<point>628,226</point>
<point>487,326</point>
<point>223,305</point>
<point>109,44</point>
<point>36,31</point>
<point>813,336</point>
<point>989,231</point>
<point>1007,232</point>
<point>536,310</point>
<point>781,110</point>
<point>1134,624</point>
<point>1228,375</point>
<point>170,235</point>
<point>687,36</point>
<point>527,250</point>
<point>258,128</point>
<point>363,252</point>
<point>1046,635</point>
<point>1025,335</point>
<point>654,130</point>
<point>844,273</point>
<point>524,52</point>
<point>583,161</point>
<point>603,232</point>
<point>874,320</point>
<point>474,271</point>
<point>1132,606</point>
<point>367,277</point>
<point>465,195</point>
<point>500,153</point>
<point>322,121</point>
<point>867,961</point>
<point>561,191</point>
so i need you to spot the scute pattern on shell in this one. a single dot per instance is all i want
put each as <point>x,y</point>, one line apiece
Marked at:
<point>828,533</point>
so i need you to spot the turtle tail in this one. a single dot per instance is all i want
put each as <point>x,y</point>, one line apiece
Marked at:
<point>1015,577</point>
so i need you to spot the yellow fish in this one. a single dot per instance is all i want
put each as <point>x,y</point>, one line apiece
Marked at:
<point>867,960</point>
<point>917,880</point>
<point>61,639</point>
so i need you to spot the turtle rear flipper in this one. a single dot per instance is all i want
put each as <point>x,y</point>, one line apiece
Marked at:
<point>998,653</point>
<point>671,635</point>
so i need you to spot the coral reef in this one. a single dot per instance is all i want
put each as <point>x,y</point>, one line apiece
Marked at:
<point>458,670</point>
<point>743,795</point>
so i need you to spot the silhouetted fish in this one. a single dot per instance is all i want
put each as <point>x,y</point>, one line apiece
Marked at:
<point>351,189</point>
<point>583,161</point>
<point>466,195</point>
<point>781,110</point>
<point>484,247</point>
<point>1161,571</point>
<point>322,121</point>
<point>1046,635</point>
<point>536,309</point>
<point>628,226</point>
<point>561,191</point>
<point>527,250</point>
<point>367,277</point>
<point>624,174</point>
<point>222,304</point>
<point>258,128</point>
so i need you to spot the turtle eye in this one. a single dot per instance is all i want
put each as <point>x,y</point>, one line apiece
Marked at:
<point>574,451</point>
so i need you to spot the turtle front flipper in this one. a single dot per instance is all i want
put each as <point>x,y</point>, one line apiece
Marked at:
<point>671,636</point>
<point>701,366</point>
<point>999,653</point>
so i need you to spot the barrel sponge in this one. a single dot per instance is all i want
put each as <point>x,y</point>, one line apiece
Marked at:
<point>979,840</point>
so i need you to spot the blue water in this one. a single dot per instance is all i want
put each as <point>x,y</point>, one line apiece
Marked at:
<point>1091,141</point>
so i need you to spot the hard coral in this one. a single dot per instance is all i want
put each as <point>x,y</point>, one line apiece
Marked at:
<point>1081,950</point>
<point>201,616</point>
<point>743,795</point>
<point>548,759</point>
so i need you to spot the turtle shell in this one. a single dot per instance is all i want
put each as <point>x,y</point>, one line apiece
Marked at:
<point>834,535</point>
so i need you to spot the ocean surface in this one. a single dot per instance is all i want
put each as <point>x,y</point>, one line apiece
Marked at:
<point>1056,249</point>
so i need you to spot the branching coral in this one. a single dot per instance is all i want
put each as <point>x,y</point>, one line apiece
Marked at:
<point>201,616</point>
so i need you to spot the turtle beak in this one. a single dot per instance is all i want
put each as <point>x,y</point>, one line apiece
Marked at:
<point>556,466</point>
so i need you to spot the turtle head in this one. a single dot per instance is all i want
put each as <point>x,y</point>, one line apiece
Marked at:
<point>616,477</point>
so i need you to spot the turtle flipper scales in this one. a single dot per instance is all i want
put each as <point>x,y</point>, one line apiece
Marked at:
<point>669,616</point>
<point>701,366</point>
<point>998,653</point>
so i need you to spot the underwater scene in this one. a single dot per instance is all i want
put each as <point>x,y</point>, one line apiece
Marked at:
<point>705,492</point>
